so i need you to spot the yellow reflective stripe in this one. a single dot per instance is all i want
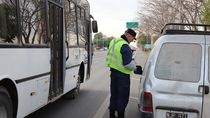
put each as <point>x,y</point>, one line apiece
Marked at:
<point>113,45</point>
<point>115,56</point>
<point>115,42</point>
<point>118,67</point>
<point>114,62</point>
<point>112,50</point>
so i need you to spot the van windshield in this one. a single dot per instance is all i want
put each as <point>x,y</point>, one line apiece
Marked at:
<point>179,62</point>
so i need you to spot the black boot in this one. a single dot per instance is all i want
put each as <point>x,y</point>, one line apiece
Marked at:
<point>121,114</point>
<point>112,114</point>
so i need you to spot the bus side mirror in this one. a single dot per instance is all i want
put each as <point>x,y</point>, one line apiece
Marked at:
<point>94,26</point>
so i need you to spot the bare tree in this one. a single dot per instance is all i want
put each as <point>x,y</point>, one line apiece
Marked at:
<point>206,12</point>
<point>190,11</point>
<point>156,13</point>
<point>32,19</point>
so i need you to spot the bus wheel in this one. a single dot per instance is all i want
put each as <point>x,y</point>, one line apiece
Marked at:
<point>73,93</point>
<point>76,90</point>
<point>5,104</point>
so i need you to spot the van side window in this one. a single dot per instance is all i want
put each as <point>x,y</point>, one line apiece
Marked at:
<point>175,62</point>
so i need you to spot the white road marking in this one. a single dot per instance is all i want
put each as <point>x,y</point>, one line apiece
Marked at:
<point>104,106</point>
<point>136,79</point>
<point>133,98</point>
<point>102,110</point>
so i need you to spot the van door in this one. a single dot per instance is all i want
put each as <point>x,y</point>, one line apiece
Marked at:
<point>179,70</point>
<point>206,103</point>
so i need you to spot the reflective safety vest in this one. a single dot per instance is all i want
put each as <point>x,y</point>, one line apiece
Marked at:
<point>114,56</point>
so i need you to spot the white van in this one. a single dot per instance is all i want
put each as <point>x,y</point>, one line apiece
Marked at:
<point>175,81</point>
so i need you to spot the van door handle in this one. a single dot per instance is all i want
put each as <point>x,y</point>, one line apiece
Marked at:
<point>205,88</point>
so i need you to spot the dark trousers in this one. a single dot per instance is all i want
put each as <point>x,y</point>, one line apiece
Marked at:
<point>120,91</point>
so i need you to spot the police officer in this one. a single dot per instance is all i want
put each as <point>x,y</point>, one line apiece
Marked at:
<point>119,59</point>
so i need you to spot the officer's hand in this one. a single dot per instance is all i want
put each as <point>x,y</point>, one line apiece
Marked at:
<point>138,70</point>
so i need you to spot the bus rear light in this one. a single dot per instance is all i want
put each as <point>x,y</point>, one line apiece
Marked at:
<point>147,102</point>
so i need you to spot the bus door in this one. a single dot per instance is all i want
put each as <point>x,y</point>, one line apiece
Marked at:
<point>89,45</point>
<point>56,38</point>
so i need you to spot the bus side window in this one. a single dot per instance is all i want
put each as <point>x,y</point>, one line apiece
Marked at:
<point>81,25</point>
<point>33,21</point>
<point>8,22</point>
<point>70,18</point>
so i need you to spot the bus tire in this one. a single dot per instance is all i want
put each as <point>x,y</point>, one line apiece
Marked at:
<point>75,92</point>
<point>6,110</point>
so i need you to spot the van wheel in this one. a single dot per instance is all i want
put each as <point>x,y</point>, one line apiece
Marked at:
<point>6,110</point>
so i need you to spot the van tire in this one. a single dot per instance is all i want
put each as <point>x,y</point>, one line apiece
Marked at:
<point>6,110</point>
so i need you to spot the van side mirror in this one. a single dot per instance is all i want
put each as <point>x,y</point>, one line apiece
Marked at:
<point>94,26</point>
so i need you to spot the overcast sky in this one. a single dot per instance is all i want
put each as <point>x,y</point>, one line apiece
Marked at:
<point>112,15</point>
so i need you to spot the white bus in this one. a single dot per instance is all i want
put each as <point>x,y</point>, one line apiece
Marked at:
<point>45,52</point>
